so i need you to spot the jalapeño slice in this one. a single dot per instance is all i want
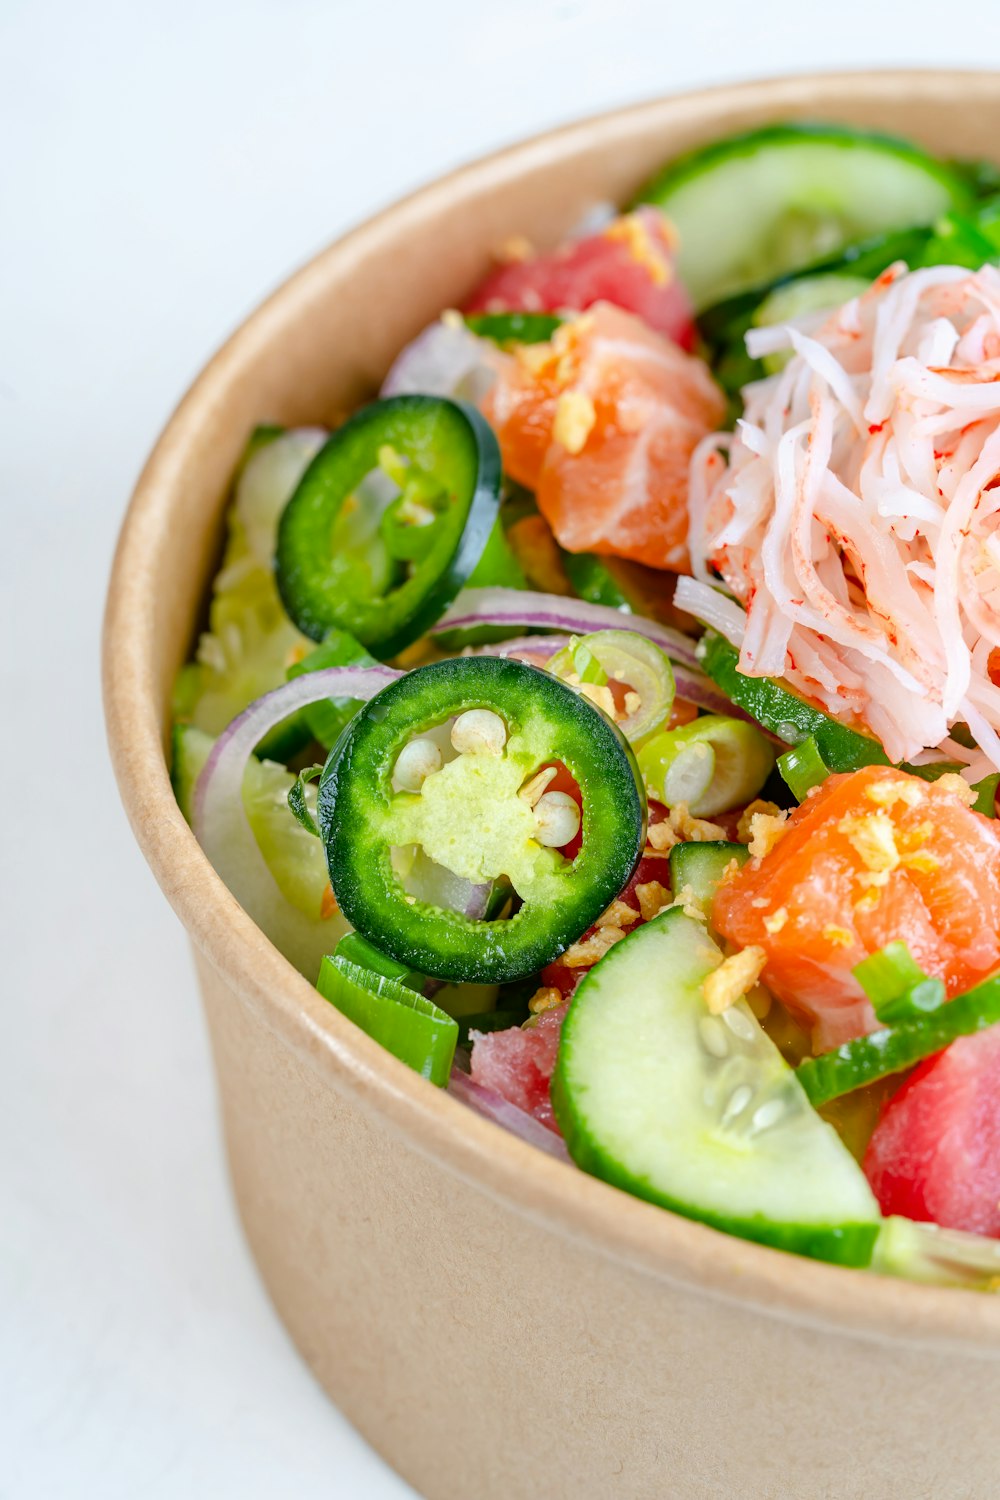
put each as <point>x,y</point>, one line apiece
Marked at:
<point>447,761</point>
<point>389,521</point>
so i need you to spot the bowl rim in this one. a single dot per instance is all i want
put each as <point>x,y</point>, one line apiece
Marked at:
<point>537,1187</point>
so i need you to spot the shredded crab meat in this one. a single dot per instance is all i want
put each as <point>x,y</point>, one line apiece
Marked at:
<point>854,515</point>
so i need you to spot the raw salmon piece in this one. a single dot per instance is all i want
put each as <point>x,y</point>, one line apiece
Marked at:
<point>601,423</point>
<point>870,857</point>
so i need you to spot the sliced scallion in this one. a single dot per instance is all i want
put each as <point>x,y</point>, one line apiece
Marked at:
<point>802,768</point>
<point>406,1024</point>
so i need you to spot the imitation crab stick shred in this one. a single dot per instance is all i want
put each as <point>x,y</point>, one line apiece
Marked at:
<point>873,856</point>
<point>854,515</point>
<point>601,423</point>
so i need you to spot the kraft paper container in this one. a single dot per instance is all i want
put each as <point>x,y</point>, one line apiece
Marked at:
<point>494,1322</point>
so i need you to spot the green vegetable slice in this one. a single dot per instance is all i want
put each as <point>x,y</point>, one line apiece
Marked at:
<point>802,767</point>
<point>294,857</point>
<point>700,1113</point>
<point>460,807</point>
<point>808,294</point>
<point>623,657</point>
<point>712,764</point>
<point>389,521</point>
<point>406,1024</point>
<point>326,721</point>
<point>757,205</point>
<point>509,328</point>
<point>896,985</point>
<point>779,709</point>
<point>893,1049</point>
<point>250,641</point>
<point>696,869</point>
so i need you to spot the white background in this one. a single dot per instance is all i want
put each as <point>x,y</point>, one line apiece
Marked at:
<point>161,166</point>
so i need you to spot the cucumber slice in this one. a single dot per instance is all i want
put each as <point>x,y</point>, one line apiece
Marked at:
<point>784,713</point>
<point>799,299</point>
<point>757,205</point>
<point>701,1113</point>
<point>294,857</point>
<point>698,868</point>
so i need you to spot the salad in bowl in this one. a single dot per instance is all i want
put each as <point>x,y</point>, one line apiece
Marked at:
<point>606,718</point>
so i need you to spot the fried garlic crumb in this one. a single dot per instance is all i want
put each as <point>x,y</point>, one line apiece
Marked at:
<point>661,836</point>
<point>869,901</point>
<point>618,914</point>
<point>734,977</point>
<point>694,830</point>
<point>632,702</point>
<point>581,955</point>
<point>842,936</point>
<point>514,249</point>
<point>642,248</point>
<point>776,921</point>
<point>689,904</point>
<point>546,998</point>
<point>602,697</point>
<point>766,829</point>
<point>956,786</point>
<point>653,898</point>
<point>771,809</point>
<point>890,791</point>
<point>574,420</point>
<point>873,837</point>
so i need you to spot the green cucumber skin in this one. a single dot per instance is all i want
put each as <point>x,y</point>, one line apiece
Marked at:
<point>846,1244</point>
<point>843,1245</point>
<point>892,1049</point>
<point>724,323</point>
<point>700,867</point>
<point>873,184</point>
<point>700,159</point>
<point>353,788</point>
<point>778,708</point>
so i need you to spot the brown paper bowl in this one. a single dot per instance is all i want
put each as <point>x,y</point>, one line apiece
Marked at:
<point>493,1321</point>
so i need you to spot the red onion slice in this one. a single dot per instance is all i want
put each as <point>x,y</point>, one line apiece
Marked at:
<point>223,830</point>
<point>498,606</point>
<point>495,1107</point>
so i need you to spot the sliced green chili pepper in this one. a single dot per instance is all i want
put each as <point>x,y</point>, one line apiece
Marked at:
<point>480,810</point>
<point>418,480</point>
<point>895,1048</point>
<point>406,1024</point>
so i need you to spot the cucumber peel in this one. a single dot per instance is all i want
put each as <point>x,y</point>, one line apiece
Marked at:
<point>779,709</point>
<point>699,1113</point>
<point>757,205</point>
